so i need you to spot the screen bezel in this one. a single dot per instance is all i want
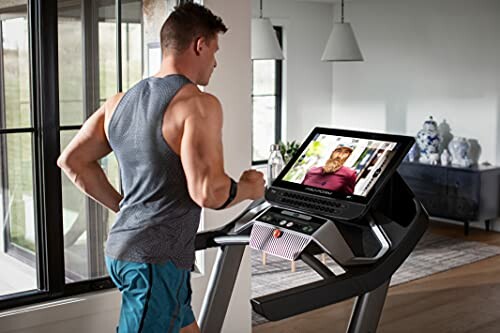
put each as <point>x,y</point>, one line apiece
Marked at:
<point>404,143</point>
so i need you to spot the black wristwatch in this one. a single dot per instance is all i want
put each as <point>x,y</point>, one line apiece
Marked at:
<point>232,194</point>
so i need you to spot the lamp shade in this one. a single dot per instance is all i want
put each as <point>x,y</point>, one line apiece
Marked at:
<point>342,45</point>
<point>265,44</point>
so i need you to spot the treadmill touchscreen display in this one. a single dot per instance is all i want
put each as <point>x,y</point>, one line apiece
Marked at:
<point>344,164</point>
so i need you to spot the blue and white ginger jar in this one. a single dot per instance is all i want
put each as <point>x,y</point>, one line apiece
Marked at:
<point>429,140</point>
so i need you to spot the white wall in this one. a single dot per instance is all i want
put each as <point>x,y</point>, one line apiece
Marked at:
<point>2,222</point>
<point>231,83</point>
<point>422,58</point>
<point>307,82</point>
<point>426,57</point>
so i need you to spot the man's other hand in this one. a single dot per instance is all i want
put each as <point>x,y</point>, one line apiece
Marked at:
<point>253,181</point>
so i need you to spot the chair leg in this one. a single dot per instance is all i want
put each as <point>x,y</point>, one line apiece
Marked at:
<point>293,266</point>
<point>264,258</point>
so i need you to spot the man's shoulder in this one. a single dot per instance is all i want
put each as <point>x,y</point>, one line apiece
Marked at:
<point>347,171</point>
<point>204,104</point>
<point>198,106</point>
<point>191,95</point>
<point>208,100</point>
<point>315,170</point>
<point>112,102</point>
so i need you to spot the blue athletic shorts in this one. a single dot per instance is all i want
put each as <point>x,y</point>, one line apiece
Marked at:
<point>155,297</point>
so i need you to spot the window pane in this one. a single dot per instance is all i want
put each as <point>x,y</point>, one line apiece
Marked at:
<point>263,131</point>
<point>15,72</point>
<point>132,67</point>
<point>264,77</point>
<point>17,236</point>
<point>107,52</point>
<point>70,64</point>
<point>83,217</point>
<point>74,224</point>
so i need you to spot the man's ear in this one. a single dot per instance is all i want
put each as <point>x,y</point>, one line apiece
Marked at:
<point>199,45</point>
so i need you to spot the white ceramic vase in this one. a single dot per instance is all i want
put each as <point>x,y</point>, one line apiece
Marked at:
<point>459,150</point>
<point>445,157</point>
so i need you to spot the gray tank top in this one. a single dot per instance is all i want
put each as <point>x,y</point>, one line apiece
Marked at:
<point>158,219</point>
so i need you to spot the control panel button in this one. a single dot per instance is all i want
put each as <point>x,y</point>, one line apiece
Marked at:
<point>307,228</point>
<point>298,215</point>
<point>283,222</point>
<point>277,233</point>
<point>289,224</point>
<point>266,218</point>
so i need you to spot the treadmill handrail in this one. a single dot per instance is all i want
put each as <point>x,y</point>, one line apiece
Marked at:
<point>205,239</point>
<point>316,265</point>
<point>232,240</point>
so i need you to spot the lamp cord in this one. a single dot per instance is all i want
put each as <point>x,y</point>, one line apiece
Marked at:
<point>260,9</point>
<point>341,11</point>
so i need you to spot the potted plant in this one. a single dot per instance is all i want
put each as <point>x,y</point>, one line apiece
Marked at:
<point>288,149</point>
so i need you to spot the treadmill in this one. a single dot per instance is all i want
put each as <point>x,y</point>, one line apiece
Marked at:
<point>340,195</point>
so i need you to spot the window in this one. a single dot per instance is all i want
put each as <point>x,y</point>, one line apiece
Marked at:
<point>266,101</point>
<point>89,68</point>
<point>52,237</point>
<point>17,236</point>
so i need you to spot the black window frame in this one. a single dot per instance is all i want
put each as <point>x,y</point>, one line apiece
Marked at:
<point>279,98</point>
<point>42,18</point>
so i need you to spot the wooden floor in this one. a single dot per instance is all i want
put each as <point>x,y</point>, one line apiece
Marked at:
<point>464,299</point>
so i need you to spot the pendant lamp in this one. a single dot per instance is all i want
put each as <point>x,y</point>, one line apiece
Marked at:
<point>342,44</point>
<point>265,44</point>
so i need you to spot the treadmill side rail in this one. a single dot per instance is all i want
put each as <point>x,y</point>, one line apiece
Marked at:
<point>220,288</point>
<point>367,310</point>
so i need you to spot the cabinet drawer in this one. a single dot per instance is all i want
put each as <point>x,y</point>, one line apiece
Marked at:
<point>434,205</point>
<point>425,179</point>
<point>463,184</point>
<point>461,208</point>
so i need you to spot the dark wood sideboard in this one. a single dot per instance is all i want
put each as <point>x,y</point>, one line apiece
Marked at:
<point>460,194</point>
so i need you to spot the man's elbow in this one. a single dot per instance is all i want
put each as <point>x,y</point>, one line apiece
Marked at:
<point>206,201</point>
<point>62,162</point>
<point>210,196</point>
<point>67,163</point>
<point>201,200</point>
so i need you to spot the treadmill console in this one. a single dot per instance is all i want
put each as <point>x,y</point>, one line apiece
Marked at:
<point>335,208</point>
<point>338,173</point>
<point>323,197</point>
<point>286,233</point>
<point>291,220</point>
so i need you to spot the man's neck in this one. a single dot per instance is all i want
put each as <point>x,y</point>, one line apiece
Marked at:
<point>176,65</point>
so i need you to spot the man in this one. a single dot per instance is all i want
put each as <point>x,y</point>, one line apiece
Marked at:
<point>166,135</point>
<point>333,175</point>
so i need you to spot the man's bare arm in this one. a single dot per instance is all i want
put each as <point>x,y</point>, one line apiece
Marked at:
<point>202,159</point>
<point>80,161</point>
